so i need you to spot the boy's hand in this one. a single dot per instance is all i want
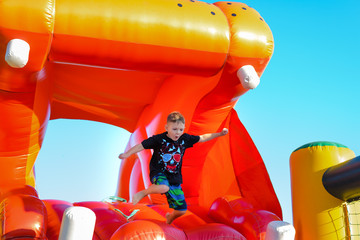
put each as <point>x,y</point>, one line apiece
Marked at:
<point>210,136</point>
<point>224,132</point>
<point>123,156</point>
<point>135,149</point>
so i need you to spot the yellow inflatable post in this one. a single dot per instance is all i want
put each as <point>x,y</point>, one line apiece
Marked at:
<point>317,215</point>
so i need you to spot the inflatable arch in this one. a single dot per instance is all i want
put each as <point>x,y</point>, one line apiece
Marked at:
<point>129,63</point>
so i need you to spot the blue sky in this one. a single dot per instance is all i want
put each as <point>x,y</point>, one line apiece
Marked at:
<point>309,92</point>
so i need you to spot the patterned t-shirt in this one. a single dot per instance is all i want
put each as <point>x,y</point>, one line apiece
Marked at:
<point>168,155</point>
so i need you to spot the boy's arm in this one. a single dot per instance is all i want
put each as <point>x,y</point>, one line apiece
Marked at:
<point>210,136</point>
<point>137,148</point>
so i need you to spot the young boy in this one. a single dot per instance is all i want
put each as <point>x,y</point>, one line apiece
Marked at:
<point>165,165</point>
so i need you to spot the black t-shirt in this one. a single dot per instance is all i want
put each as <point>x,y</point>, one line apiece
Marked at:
<point>168,155</point>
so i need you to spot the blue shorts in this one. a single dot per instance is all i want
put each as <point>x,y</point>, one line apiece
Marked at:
<point>175,195</point>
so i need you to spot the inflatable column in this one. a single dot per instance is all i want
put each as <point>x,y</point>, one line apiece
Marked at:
<point>317,215</point>
<point>25,36</point>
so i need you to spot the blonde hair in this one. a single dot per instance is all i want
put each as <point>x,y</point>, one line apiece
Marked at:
<point>175,117</point>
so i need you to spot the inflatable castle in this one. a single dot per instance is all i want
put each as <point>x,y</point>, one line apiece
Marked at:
<point>129,63</point>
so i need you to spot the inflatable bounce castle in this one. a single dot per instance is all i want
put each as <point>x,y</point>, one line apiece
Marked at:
<point>129,63</point>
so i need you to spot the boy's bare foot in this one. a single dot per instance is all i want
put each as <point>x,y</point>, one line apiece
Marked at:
<point>170,217</point>
<point>137,197</point>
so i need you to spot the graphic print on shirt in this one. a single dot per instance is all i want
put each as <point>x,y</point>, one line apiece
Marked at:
<point>170,156</point>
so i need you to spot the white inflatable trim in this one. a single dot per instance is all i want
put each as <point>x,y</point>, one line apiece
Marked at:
<point>17,53</point>
<point>279,230</point>
<point>248,77</point>
<point>78,223</point>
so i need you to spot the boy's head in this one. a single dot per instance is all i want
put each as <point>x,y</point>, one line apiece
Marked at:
<point>175,117</point>
<point>175,125</point>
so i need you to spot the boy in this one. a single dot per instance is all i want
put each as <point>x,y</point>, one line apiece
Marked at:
<point>165,165</point>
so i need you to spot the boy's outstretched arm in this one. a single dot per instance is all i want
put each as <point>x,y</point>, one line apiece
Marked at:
<point>209,136</point>
<point>137,148</point>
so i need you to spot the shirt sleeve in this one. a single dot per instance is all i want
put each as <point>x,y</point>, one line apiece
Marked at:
<point>191,140</point>
<point>151,142</point>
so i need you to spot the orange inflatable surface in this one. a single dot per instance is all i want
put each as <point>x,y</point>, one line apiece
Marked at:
<point>129,63</point>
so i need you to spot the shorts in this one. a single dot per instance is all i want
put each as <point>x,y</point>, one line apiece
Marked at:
<point>175,195</point>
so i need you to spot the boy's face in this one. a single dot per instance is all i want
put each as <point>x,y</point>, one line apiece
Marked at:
<point>175,130</point>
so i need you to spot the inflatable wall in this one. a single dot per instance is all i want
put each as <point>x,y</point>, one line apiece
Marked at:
<point>129,63</point>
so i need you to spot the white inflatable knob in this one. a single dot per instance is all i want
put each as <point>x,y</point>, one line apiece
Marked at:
<point>279,230</point>
<point>78,223</point>
<point>17,53</point>
<point>248,77</point>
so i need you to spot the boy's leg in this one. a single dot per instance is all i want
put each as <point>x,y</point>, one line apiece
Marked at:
<point>160,184</point>
<point>153,189</point>
<point>170,217</point>
<point>176,200</point>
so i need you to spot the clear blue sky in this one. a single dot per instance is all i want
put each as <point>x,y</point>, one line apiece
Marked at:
<point>309,92</point>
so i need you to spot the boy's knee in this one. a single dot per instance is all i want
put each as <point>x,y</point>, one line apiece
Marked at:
<point>164,188</point>
<point>182,212</point>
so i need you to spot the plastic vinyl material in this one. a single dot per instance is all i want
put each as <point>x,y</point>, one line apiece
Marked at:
<point>248,77</point>
<point>129,63</point>
<point>55,210</point>
<point>316,213</point>
<point>22,215</point>
<point>17,53</point>
<point>77,224</point>
<point>242,216</point>
<point>279,230</point>
<point>342,181</point>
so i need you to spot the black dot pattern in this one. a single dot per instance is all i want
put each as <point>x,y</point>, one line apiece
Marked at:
<point>212,12</point>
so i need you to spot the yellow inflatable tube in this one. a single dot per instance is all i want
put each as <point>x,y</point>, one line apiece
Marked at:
<point>317,215</point>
